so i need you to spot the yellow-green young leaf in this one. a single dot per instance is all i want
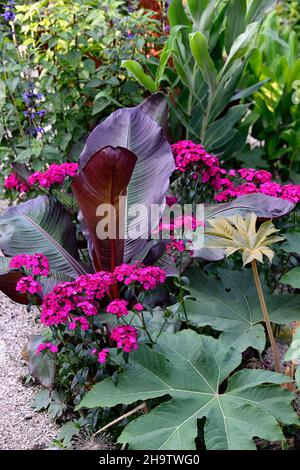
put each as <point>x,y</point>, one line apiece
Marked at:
<point>236,233</point>
<point>201,54</point>
<point>137,72</point>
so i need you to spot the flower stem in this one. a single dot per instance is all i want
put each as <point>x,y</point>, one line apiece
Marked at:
<point>266,315</point>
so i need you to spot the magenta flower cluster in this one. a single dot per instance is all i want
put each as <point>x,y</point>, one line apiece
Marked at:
<point>290,192</point>
<point>102,356</point>
<point>81,295</point>
<point>28,285</point>
<point>37,264</point>
<point>118,307</point>
<point>54,175</point>
<point>148,277</point>
<point>72,303</point>
<point>44,346</point>
<point>12,182</point>
<point>193,158</point>
<point>125,337</point>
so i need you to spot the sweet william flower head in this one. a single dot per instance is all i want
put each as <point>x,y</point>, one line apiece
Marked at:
<point>102,356</point>
<point>118,307</point>
<point>28,285</point>
<point>44,346</point>
<point>125,337</point>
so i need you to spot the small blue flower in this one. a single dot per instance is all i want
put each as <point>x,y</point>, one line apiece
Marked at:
<point>9,14</point>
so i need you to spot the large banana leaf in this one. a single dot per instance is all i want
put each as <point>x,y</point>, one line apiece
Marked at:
<point>103,180</point>
<point>41,225</point>
<point>156,107</point>
<point>191,368</point>
<point>265,207</point>
<point>138,132</point>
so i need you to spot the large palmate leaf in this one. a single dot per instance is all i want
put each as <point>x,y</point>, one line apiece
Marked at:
<point>41,225</point>
<point>138,132</point>
<point>191,368</point>
<point>231,305</point>
<point>292,278</point>
<point>103,181</point>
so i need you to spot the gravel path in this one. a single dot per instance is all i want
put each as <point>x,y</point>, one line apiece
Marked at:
<point>20,426</point>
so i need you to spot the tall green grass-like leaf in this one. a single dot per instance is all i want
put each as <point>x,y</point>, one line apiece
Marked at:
<point>200,52</point>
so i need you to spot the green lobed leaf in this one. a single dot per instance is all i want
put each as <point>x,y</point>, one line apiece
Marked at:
<point>292,278</point>
<point>190,369</point>
<point>231,305</point>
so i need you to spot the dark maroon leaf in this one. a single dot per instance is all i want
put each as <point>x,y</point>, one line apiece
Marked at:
<point>103,180</point>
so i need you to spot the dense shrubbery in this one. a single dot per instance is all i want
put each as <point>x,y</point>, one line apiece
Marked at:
<point>191,335</point>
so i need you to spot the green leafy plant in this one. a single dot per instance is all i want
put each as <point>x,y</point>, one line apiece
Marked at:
<point>70,59</point>
<point>239,234</point>
<point>190,369</point>
<point>274,117</point>
<point>230,305</point>
<point>208,46</point>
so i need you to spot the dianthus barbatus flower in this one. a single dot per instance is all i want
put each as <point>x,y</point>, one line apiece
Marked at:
<point>125,337</point>
<point>44,346</point>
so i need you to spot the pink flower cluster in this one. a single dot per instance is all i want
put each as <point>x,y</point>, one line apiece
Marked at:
<point>13,182</point>
<point>82,322</point>
<point>194,158</point>
<point>229,184</point>
<point>84,293</point>
<point>55,174</point>
<point>125,337</point>
<point>147,276</point>
<point>175,247</point>
<point>69,297</point>
<point>43,346</point>
<point>118,307</point>
<point>102,355</point>
<point>28,284</point>
<point>289,192</point>
<point>37,263</point>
